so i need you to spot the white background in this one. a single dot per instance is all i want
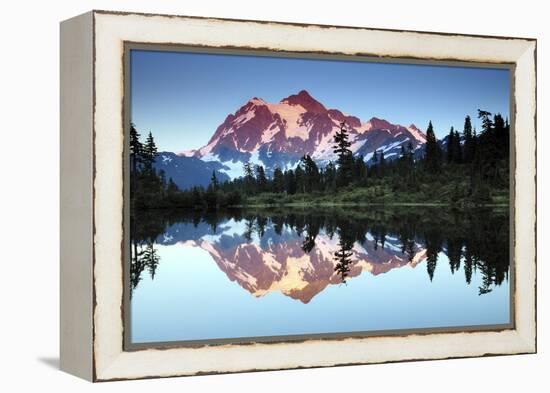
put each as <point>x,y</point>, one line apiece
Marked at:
<point>29,205</point>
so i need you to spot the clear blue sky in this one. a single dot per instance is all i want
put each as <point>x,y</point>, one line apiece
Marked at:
<point>183,97</point>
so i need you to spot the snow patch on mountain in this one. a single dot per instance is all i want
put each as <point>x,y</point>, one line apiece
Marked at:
<point>268,135</point>
<point>279,134</point>
<point>165,158</point>
<point>233,169</point>
<point>357,143</point>
<point>290,116</point>
<point>386,148</point>
<point>242,119</point>
<point>325,147</point>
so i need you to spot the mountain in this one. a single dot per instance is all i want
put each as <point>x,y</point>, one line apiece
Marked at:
<point>277,262</point>
<point>279,134</point>
<point>284,266</point>
<point>187,172</point>
<point>443,142</point>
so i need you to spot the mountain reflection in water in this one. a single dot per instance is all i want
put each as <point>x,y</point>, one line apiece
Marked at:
<point>300,252</point>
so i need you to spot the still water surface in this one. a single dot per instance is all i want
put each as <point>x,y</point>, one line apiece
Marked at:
<point>242,273</point>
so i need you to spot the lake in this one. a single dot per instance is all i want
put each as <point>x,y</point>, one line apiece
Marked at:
<point>263,273</point>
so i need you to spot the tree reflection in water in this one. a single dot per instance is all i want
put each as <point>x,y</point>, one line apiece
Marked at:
<point>343,255</point>
<point>476,239</point>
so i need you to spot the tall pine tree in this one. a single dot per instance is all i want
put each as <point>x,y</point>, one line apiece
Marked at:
<point>261,179</point>
<point>249,180</point>
<point>311,173</point>
<point>457,148</point>
<point>300,177</point>
<point>345,158</point>
<point>382,164</point>
<point>433,152</point>
<point>214,181</point>
<point>149,153</point>
<point>468,154</point>
<point>330,177</point>
<point>278,180</point>
<point>136,148</point>
<point>451,146</point>
<point>290,182</point>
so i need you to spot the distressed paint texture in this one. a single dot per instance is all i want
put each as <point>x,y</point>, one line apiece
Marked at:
<point>112,30</point>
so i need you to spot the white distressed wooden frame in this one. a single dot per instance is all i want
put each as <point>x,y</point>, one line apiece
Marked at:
<point>92,89</point>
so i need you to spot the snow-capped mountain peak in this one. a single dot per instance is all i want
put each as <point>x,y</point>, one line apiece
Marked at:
<point>304,99</point>
<point>279,134</point>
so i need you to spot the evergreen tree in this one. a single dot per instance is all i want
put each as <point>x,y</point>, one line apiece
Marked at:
<point>261,179</point>
<point>375,157</point>
<point>374,165</point>
<point>475,143</point>
<point>172,187</point>
<point>454,253</point>
<point>486,159</point>
<point>486,122</point>
<point>290,182</point>
<point>500,135</point>
<point>433,152</point>
<point>382,164</point>
<point>278,180</point>
<point>468,141</point>
<point>431,262</point>
<point>454,149</point>
<point>406,169</point>
<point>403,167</point>
<point>137,264</point>
<point>330,176</point>
<point>451,146</point>
<point>248,177</point>
<point>457,148</point>
<point>214,181</point>
<point>468,266</point>
<point>211,197</point>
<point>311,173</point>
<point>506,139</point>
<point>149,153</point>
<point>345,157</point>
<point>136,148</point>
<point>196,197</point>
<point>402,153</point>
<point>410,155</point>
<point>360,171</point>
<point>162,183</point>
<point>343,255</point>
<point>151,259</point>
<point>300,177</point>
<point>342,145</point>
<point>248,172</point>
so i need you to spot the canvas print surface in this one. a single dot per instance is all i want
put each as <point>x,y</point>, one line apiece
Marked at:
<point>277,198</point>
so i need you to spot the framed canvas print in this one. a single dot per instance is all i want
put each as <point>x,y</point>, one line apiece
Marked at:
<point>247,195</point>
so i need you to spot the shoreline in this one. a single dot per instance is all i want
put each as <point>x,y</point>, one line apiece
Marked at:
<point>366,204</point>
<point>314,205</point>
